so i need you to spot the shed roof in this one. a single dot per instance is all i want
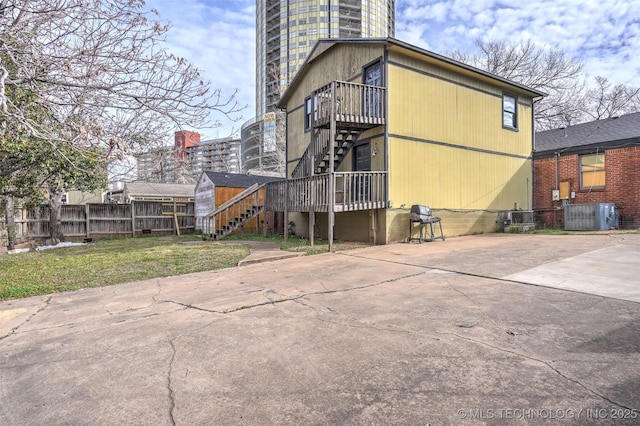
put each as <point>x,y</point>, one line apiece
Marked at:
<point>159,189</point>
<point>610,133</point>
<point>323,45</point>
<point>238,180</point>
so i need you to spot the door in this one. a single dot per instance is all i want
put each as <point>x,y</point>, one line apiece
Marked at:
<point>373,97</point>
<point>361,163</point>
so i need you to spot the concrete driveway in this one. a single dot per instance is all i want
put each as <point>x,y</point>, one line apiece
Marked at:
<point>465,331</point>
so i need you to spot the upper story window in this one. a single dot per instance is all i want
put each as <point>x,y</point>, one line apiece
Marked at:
<point>509,112</point>
<point>592,172</point>
<point>307,113</point>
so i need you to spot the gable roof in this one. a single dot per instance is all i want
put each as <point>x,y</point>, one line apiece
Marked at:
<point>615,132</point>
<point>237,180</point>
<point>323,45</point>
<point>159,189</point>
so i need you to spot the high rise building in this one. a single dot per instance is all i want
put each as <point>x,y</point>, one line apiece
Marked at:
<point>286,31</point>
<point>188,158</point>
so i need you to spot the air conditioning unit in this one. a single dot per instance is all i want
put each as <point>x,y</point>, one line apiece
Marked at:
<point>590,217</point>
<point>513,217</point>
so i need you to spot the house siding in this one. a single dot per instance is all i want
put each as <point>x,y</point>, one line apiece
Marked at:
<point>622,186</point>
<point>343,63</point>
<point>444,144</point>
<point>204,200</point>
<point>449,150</point>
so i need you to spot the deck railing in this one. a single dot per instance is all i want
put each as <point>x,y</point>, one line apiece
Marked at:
<point>353,191</point>
<point>356,104</point>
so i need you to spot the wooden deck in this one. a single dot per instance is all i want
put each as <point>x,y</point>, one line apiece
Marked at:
<point>353,191</point>
<point>357,106</point>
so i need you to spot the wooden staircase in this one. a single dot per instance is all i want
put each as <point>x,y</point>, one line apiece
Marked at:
<point>344,140</point>
<point>233,214</point>
<point>318,151</point>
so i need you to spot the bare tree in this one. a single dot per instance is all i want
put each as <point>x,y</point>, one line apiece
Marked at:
<point>605,100</point>
<point>546,70</point>
<point>571,99</point>
<point>79,77</point>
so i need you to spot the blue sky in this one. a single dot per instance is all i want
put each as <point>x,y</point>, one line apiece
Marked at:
<point>218,36</point>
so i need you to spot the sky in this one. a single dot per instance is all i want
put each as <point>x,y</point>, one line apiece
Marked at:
<point>218,36</point>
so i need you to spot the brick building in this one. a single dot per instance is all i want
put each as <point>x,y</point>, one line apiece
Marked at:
<point>594,162</point>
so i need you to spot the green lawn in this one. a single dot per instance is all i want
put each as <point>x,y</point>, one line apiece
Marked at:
<point>119,260</point>
<point>111,261</point>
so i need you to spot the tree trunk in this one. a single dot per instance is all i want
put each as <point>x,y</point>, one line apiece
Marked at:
<point>55,206</point>
<point>11,225</point>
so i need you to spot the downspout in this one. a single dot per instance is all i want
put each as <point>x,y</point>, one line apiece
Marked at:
<point>555,211</point>
<point>557,157</point>
<point>386,139</point>
<point>286,175</point>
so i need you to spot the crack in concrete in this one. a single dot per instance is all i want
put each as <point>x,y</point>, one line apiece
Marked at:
<point>190,306</point>
<point>292,298</point>
<point>172,401</point>
<point>352,325</point>
<point>40,309</point>
<point>511,352</point>
<point>548,364</point>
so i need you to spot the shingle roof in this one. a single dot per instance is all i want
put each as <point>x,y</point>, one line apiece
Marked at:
<point>325,44</point>
<point>236,180</point>
<point>623,130</point>
<point>158,189</point>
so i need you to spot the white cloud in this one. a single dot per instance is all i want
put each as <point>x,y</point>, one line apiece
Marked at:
<point>218,36</point>
<point>603,34</point>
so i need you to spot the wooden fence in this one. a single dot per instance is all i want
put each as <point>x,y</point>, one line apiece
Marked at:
<point>109,220</point>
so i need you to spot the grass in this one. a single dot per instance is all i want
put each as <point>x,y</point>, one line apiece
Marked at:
<point>111,261</point>
<point>298,244</point>
<point>119,260</point>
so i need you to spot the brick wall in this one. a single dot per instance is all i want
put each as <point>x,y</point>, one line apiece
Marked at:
<point>622,187</point>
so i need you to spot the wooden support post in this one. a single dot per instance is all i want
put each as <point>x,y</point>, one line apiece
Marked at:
<point>133,218</point>
<point>86,220</point>
<point>332,191</point>
<point>175,218</point>
<point>286,209</point>
<point>312,213</point>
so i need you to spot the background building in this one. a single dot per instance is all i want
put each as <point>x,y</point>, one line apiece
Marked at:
<point>588,164</point>
<point>286,31</point>
<point>215,155</point>
<point>188,158</point>
<point>262,144</point>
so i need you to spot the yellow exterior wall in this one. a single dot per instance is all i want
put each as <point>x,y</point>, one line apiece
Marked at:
<point>366,226</point>
<point>443,177</point>
<point>342,63</point>
<point>454,223</point>
<point>448,149</point>
<point>444,144</point>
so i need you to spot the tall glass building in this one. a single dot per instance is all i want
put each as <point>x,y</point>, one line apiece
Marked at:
<point>286,31</point>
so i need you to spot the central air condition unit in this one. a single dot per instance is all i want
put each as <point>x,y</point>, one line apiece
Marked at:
<point>513,217</point>
<point>590,217</point>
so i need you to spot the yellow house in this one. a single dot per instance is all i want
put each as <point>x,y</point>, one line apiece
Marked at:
<point>407,127</point>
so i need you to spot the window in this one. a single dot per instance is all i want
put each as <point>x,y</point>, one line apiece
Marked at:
<point>509,112</point>
<point>307,113</point>
<point>592,172</point>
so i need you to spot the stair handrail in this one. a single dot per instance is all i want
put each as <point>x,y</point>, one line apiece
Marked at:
<point>228,204</point>
<point>249,191</point>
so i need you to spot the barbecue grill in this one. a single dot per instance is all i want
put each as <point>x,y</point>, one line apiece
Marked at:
<point>422,216</point>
